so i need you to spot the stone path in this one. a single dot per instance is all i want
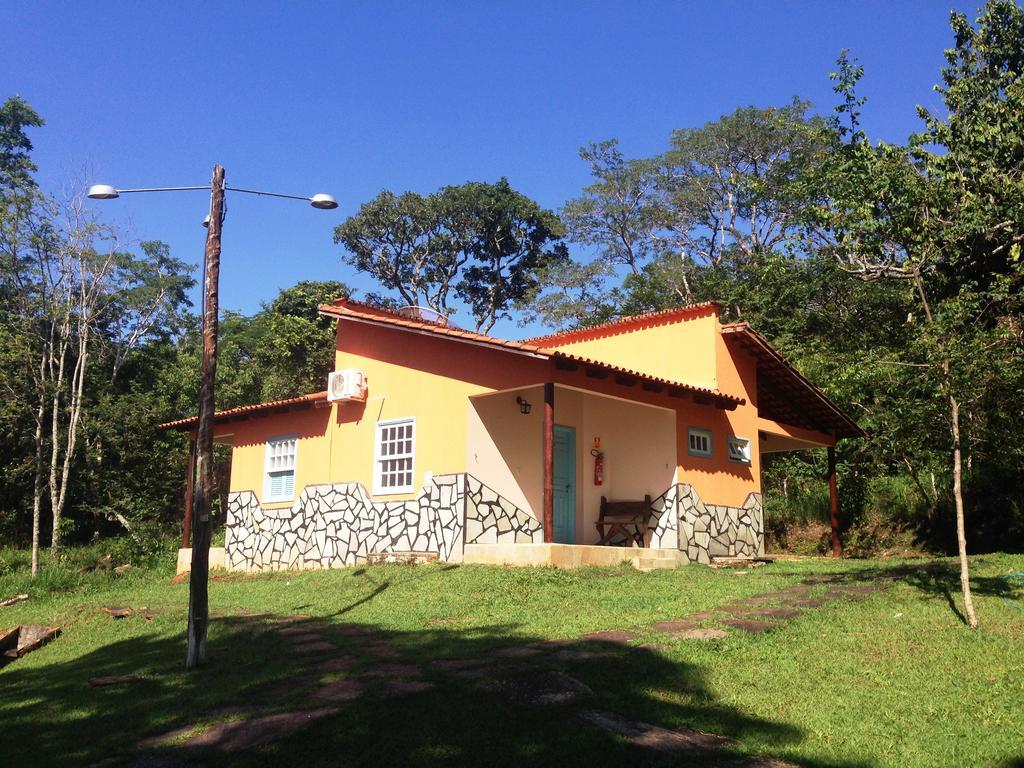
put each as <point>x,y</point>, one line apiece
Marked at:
<point>329,677</point>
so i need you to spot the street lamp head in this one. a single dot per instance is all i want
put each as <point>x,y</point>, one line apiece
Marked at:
<point>102,192</point>
<point>206,221</point>
<point>323,201</point>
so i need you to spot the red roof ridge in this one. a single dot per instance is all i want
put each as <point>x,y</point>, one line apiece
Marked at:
<point>661,314</point>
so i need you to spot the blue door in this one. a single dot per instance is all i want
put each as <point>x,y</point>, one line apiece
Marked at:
<point>564,480</point>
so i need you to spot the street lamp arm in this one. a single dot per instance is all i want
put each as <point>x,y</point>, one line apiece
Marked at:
<point>268,194</point>
<point>162,189</point>
<point>320,200</point>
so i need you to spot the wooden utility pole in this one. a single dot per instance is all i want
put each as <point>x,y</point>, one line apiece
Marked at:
<point>833,504</point>
<point>198,596</point>
<point>549,462</point>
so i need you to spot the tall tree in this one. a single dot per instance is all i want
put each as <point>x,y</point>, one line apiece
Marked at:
<point>409,243</point>
<point>946,214</point>
<point>16,166</point>
<point>514,241</point>
<point>484,243</point>
<point>615,213</point>
<point>724,191</point>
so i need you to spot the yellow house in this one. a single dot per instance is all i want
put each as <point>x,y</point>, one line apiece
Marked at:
<point>432,439</point>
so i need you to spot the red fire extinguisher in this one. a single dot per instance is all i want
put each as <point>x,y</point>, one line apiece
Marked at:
<point>598,466</point>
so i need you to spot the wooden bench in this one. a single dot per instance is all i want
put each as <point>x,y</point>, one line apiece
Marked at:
<point>624,523</point>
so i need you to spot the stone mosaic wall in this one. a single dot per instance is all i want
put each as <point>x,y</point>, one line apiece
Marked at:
<point>492,519</point>
<point>665,527</point>
<point>339,524</point>
<point>682,521</point>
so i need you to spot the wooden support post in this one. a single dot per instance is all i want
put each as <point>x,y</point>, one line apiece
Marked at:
<point>833,504</point>
<point>549,462</point>
<point>190,477</point>
<point>198,594</point>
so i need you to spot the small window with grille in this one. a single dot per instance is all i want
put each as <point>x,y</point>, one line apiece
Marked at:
<point>279,466</point>
<point>699,442</point>
<point>739,450</point>
<point>394,455</point>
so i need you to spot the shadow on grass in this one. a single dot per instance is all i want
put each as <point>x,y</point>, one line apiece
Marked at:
<point>52,717</point>
<point>941,579</point>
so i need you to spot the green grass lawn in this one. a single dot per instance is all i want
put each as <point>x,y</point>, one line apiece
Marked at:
<point>894,679</point>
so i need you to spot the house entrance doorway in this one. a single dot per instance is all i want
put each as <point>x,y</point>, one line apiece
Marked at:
<point>564,478</point>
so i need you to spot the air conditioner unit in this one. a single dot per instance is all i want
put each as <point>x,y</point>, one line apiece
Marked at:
<point>346,386</point>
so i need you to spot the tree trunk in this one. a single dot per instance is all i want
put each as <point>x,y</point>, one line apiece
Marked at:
<point>198,596</point>
<point>37,488</point>
<point>57,381</point>
<point>958,496</point>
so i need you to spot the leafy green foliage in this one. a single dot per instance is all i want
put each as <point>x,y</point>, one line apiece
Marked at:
<point>485,243</point>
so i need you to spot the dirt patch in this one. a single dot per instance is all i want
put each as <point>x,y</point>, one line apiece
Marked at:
<point>611,636</point>
<point>581,654</point>
<point>653,737</point>
<point>313,648</point>
<point>538,688</point>
<point>117,612</point>
<point>749,626</point>
<point>804,602</point>
<point>104,682</point>
<point>247,734</point>
<point>168,736</point>
<point>275,691</point>
<point>775,613</point>
<point>383,649</point>
<point>397,671</point>
<point>673,627</point>
<point>394,687</point>
<point>704,746</point>
<point>339,690</point>
<point>518,652</point>
<point>294,631</point>
<point>706,633</point>
<point>449,665</point>
<point>304,638</point>
<point>356,630</point>
<point>341,663</point>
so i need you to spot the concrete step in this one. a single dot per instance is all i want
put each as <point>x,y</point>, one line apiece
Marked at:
<point>655,563</point>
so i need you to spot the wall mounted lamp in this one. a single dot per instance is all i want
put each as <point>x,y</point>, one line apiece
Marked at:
<point>524,406</point>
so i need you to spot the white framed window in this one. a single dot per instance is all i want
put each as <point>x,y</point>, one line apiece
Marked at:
<point>739,450</point>
<point>699,442</point>
<point>279,468</point>
<point>394,456</point>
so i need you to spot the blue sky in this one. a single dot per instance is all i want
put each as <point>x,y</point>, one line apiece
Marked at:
<point>353,97</point>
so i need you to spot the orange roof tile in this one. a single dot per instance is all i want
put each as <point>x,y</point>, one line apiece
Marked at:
<point>302,400</point>
<point>355,310</point>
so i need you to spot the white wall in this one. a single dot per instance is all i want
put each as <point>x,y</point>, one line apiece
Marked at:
<point>504,449</point>
<point>639,446</point>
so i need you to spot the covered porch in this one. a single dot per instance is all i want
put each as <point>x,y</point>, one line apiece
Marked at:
<point>556,450</point>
